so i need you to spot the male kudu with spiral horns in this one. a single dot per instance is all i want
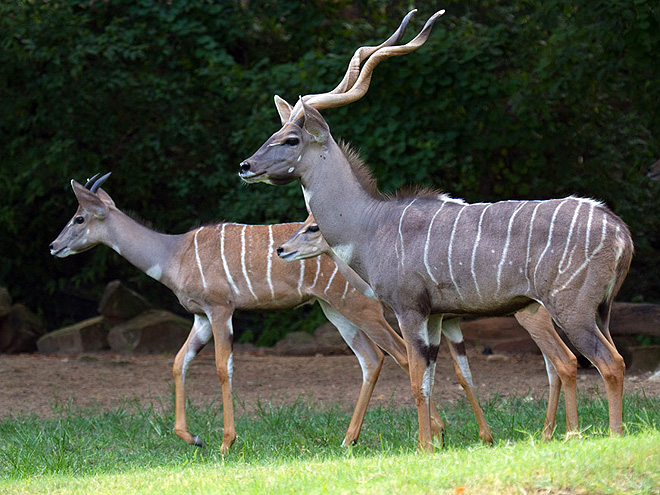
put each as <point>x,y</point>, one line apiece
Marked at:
<point>428,254</point>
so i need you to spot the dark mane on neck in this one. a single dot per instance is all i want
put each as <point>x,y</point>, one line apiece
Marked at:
<point>360,169</point>
<point>369,183</point>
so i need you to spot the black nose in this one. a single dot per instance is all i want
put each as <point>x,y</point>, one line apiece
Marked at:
<point>279,251</point>
<point>245,166</point>
<point>50,247</point>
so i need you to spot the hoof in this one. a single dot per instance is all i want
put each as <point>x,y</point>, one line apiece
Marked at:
<point>197,442</point>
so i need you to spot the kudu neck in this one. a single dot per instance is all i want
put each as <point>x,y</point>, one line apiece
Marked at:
<point>148,250</point>
<point>341,199</point>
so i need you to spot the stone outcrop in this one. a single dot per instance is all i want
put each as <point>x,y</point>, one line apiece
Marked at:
<point>19,328</point>
<point>86,336</point>
<point>119,303</point>
<point>152,332</point>
<point>325,341</point>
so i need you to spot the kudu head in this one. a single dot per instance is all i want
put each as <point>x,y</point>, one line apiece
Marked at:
<point>80,234</point>
<point>282,158</point>
<point>306,242</point>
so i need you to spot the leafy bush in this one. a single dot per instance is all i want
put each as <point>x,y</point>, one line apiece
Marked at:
<point>523,99</point>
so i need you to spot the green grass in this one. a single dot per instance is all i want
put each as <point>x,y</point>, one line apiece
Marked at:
<point>296,449</point>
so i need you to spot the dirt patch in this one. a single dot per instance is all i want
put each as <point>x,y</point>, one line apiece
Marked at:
<point>36,383</point>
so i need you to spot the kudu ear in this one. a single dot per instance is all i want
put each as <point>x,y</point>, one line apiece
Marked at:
<point>315,124</point>
<point>90,201</point>
<point>105,197</point>
<point>283,109</point>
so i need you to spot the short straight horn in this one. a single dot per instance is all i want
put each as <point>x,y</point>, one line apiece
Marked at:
<point>98,183</point>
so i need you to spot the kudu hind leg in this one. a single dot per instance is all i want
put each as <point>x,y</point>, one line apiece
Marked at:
<point>595,346</point>
<point>456,345</point>
<point>371,360</point>
<point>560,363</point>
<point>199,335</point>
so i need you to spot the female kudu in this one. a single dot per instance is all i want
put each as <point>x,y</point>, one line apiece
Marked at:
<point>429,255</point>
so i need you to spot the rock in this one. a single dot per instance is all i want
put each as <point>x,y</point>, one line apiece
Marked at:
<point>19,330</point>
<point>5,302</point>
<point>296,344</point>
<point>329,341</point>
<point>501,334</point>
<point>86,336</point>
<point>152,332</point>
<point>635,319</point>
<point>120,304</point>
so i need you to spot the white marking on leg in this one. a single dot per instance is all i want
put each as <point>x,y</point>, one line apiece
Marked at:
<point>224,260</point>
<point>452,331</point>
<point>568,241</point>
<point>550,370</point>
<point>244,268</point>
<point>302,276</point>
<point>549,241</point>
<point>403,251</point>
<point>199,261</point>
<point>506,245</point>
<point>331,278</point>
<point>270,261</point>
<point>449,253</point>
<point>474,252</point>
<point>230,368</point>
<point>426,244</point>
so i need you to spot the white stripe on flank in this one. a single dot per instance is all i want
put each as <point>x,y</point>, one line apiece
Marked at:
<point>224,260</point>
<point>270,261</point>
<point>302,276</point>
<point>331,278</point>
<point>547,244</point>
<point>506,245</point>
<point>474,251</point>
<point>245,273</point>
<point>318,270</point>
<point>403,251</point>
<point>199,261</point>
<point>587,260</point>
<point>451,245</point>
<point>568,241</point>
<point>586,241</point>
<point>426,245</point>
<point>529,245</point>
<point>345,290</point>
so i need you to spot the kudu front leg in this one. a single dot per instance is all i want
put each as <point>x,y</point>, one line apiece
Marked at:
<point>422,348</point>
<point>371,360</point>
<point>199,335</point>
<point>224,363</point>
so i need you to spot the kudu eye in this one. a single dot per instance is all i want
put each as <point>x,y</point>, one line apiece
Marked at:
<point>292,141</point>
<point>313,228</point>
<point>79,220</point>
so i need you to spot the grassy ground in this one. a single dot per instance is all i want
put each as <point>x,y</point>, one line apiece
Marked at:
<point>296,449</point>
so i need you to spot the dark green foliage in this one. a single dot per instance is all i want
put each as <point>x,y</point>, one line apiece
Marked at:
<point>523,99</point>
